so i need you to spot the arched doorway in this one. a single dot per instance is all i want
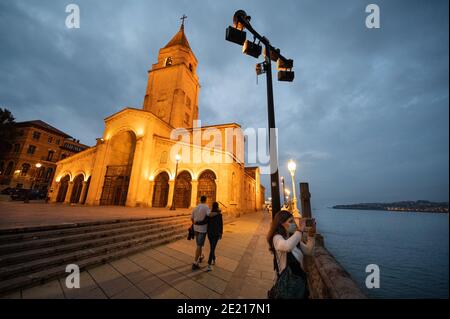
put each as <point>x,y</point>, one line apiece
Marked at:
<point>161,190</point>
<point>63,186</point>
<point>118,168</point>
<point>183,189</point>
<point>76,189</point>
<point>207,187</point>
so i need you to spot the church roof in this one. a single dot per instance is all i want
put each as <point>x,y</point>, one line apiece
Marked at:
<point>179,39</point>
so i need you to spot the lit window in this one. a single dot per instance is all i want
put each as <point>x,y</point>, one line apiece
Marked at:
<point>25,169</point>
<point>41,172</point>
<point>50,155</point>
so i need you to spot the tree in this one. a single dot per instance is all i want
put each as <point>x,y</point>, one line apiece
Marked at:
<point>7,130</point>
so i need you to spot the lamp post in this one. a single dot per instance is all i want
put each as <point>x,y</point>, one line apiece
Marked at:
<point>287,195</point>
<point>292,167</point>
<point>237,35</point>
<point>284,190</point>
<point>177,159</point>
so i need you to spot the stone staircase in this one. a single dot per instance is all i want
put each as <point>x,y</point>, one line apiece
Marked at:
<point>34,255</point>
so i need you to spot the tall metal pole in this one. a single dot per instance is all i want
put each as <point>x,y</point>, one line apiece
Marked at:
<point>274,177</point>
<point>241,17</point>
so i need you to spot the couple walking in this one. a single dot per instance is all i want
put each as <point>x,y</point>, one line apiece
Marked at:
<point>206,222</point>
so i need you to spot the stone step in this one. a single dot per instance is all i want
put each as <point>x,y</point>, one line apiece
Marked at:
<point>114,244</point>
<point>53,241</point>
<point>94,240</point>
<point>54,272</point>
<point>28,233</point>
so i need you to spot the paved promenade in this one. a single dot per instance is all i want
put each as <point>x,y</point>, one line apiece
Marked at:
<point>243,270</point>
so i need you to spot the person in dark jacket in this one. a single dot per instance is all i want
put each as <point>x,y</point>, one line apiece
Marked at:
<point>215,231</point>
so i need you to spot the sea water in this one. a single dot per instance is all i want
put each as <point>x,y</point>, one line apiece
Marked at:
<point>411,249</point>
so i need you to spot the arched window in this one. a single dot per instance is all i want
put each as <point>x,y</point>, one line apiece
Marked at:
<point>168,61</point>
<point>25,169</point>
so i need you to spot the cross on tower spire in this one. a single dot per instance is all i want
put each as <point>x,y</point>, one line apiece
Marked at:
<point>182,20</point>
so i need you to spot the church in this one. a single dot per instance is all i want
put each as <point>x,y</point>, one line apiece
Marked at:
<point>159,155</point>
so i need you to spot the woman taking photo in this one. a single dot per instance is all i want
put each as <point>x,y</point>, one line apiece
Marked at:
<point>285,242</point>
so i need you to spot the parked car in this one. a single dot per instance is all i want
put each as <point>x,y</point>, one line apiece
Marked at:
<point>8,191</point>
<point>33,194</point>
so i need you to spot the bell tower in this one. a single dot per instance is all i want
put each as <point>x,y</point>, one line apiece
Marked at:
<point>173,88</point>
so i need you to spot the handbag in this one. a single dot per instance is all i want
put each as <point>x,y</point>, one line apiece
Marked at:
<point>291,283</point>
<point>191,233</point>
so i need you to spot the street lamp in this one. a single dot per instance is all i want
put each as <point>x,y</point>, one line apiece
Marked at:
<point>177,159</point>
<point>236,34</point>
<point>292,167</point>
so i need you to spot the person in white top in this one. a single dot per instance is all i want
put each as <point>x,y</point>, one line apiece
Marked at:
<point>200,229</point>
<point>285,236</point>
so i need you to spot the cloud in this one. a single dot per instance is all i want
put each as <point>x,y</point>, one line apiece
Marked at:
<point>366,117</point>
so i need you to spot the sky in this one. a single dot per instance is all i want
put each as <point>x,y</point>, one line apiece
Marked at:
<point>366,118</point>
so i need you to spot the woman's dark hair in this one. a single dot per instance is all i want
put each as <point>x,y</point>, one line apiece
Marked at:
<point>276,228</point>
<point>215,207</point>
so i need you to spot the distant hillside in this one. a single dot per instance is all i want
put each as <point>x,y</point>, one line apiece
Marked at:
<point>405,206</point>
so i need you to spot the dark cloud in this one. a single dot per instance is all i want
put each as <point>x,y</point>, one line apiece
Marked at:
<point>366,118</point>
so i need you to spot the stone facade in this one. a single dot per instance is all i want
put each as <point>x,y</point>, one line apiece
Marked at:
<point>134,163</point>
<point>36,143</point>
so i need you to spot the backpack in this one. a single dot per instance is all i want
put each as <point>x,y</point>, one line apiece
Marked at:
<point>291,283</point>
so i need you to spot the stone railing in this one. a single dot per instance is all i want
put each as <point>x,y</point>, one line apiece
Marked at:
<point>327,279</point>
